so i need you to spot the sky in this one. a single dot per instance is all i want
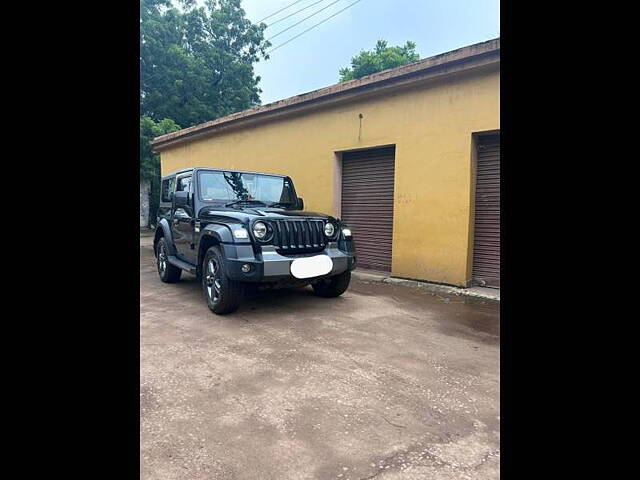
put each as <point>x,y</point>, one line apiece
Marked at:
<point>313,60</point>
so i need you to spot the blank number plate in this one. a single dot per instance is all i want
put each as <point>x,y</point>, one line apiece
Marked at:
<point>311,266</point>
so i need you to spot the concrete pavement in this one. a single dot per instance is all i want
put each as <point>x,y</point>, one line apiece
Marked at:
<point>384,382</point>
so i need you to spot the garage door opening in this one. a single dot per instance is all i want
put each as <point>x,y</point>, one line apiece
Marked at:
<point>486,245</point>
<point>367,204</point>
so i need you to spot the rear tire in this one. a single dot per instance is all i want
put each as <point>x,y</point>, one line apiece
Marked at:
<point>168,273</point>
<point>333,286</point>
<point>223,295</point>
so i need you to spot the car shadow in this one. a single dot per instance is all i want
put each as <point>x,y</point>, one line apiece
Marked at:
<point>283,300</point>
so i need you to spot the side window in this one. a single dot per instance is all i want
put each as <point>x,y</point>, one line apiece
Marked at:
<point>167,189</point>
<point>184,184</point>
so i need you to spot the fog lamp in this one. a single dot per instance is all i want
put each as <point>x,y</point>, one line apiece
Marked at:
<point>246,268</point>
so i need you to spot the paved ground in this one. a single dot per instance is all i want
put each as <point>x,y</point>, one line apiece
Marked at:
<point>385,382</point>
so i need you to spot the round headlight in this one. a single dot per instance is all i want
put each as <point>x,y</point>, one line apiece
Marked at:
<point>329,229</point>
<point>259,230</point>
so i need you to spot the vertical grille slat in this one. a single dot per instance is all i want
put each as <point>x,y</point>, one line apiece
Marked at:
<point>312,232</point>
<point>320,229</point>
<point>309,240</point>
<point>292,238</point>
<point>285,236</point>
<point>300,234</point>
<point>277,239</point>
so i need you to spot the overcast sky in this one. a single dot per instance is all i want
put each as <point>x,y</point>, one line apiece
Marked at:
<point>312,61</point>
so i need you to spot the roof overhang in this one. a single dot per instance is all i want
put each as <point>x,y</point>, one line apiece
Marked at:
<point>467,58</point>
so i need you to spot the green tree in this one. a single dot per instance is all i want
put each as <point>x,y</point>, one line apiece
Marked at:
<point>381,58</point>
<point>149,161</point>
<point>196,63</point>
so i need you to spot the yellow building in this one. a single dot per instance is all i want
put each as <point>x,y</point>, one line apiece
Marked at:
<point>409,158</point>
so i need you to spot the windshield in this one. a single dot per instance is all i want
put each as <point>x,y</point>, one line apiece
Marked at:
<point>233,186</point>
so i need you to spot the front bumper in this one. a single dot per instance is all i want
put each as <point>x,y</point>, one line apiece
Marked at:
<point>270,266</point>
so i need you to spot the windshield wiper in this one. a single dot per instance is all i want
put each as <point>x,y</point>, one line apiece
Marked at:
<point>235,202</point>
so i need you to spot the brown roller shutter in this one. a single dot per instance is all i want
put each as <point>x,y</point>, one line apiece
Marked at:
<point>486,246</point>
<point>367,204</point>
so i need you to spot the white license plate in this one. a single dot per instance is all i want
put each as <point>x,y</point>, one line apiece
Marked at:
<point>311,266</point>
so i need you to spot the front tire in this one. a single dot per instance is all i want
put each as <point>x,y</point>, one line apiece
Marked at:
<point>223,294</point>
<point>333,286</point>
<point>168,273</point>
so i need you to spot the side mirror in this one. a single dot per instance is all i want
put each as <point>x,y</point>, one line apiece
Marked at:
<point>300,203</point>
<point>181,199</point>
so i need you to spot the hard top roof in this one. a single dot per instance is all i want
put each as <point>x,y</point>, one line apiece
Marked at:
<point>190,169</point>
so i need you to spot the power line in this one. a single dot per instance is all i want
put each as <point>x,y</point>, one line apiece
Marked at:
<point>305,18</point>
<point>313,26</point>
<point>284,8</point>
<point>297,11</point>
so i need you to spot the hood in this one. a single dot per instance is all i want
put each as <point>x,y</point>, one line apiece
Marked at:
<point>244,214</point>
<point>282,213</point>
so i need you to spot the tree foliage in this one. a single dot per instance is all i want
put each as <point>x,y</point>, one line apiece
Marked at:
<point>196,63</point>
<point>149,161</point>
<point>380,58</point>
<point>149,129</point>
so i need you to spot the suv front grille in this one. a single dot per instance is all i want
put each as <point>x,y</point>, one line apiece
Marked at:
<point>298,236</point>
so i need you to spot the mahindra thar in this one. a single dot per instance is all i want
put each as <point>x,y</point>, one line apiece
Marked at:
<point>235,229</point>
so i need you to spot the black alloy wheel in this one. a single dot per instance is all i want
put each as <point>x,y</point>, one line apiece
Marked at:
<point>168,273</point>
<point>223,294</point>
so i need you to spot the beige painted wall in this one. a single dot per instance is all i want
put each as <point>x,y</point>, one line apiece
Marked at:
<point>431,126</point>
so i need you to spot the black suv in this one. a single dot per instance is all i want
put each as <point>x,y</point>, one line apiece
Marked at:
<point>233,229</point>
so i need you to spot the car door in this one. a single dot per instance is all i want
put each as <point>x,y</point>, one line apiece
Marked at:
<point>182,222</point>
<point>166,199</point>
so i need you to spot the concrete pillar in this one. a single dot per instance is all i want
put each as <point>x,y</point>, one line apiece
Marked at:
<point>145,187</point>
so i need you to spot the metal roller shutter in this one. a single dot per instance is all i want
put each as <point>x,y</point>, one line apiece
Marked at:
<point>367,204</point>
<point>486,246</point>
